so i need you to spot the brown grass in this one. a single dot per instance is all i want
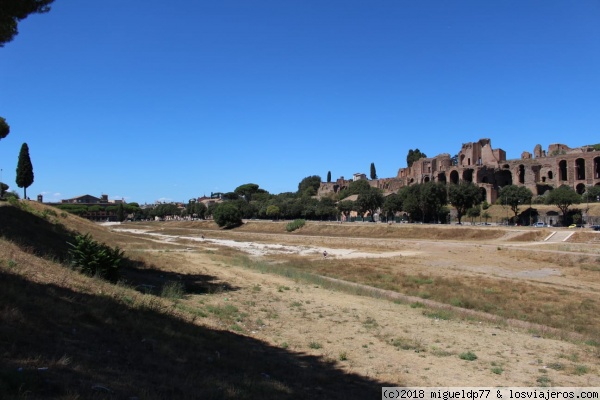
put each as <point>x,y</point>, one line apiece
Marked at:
<point>119,341</point>
<point>68,336</point>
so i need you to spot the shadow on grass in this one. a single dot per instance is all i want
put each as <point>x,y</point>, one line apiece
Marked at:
<point>58,343</point>
<point>35,234</point>
<point>149,280</point>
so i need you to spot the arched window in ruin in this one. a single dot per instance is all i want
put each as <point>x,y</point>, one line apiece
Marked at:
<point>506,166</point>
<point>426,179</point>
<point>580,189</point>
<point>521,173</point>
<point>442,177</point>
<point>597,167</point>
<point>550,175</point>
<point>562,170</point>
<point>468,175</point>
<point>483,194</point>
<point>454,177</point>
<point>580,169</point>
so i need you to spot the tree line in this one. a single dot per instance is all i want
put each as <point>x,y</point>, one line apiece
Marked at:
<point>426,202</point>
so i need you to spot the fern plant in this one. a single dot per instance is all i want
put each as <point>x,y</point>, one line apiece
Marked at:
<point>95,259</point>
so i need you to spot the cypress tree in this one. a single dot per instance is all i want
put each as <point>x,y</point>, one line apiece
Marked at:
<point>328,176</point>
<point>373,172</point>
<point>24,170</point>
<point>120,213</point>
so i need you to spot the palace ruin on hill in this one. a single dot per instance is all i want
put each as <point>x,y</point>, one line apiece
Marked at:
<point>489,169</point>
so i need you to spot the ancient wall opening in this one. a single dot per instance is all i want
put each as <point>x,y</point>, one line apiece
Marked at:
<point>454,177</point>
<point>597,167</point>
<point>468,175</point>
<point>541,189</point>
<point>580,169</point>
<point>536,172</point>
<point>442,177</point>
<point>485,175</point>
<point>562,170</point>
<point>580,189</point>
<point>521,174</point>
<point>503,178</point>
<point>550,175</point>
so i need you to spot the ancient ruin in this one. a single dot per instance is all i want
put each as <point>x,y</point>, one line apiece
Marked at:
<point>489,169</point>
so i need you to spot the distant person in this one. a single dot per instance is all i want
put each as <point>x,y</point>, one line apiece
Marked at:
<point>325,254</point>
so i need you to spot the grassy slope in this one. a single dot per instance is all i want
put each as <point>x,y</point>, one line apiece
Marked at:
<point>64,335</point>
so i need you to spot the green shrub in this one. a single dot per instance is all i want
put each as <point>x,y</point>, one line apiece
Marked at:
<point>95,259</point>
<point>48,212</point>
<point>469,356</point>
<point>173,290</point>
<point>296,224</point>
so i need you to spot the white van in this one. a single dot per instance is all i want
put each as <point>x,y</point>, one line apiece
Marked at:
<point>539,225</point>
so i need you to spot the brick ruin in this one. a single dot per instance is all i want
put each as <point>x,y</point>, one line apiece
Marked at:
<point>489,169</point>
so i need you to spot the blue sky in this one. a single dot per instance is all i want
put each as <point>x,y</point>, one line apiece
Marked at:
<point>169,100</point>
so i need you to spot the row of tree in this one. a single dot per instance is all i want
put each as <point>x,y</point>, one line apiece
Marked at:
<point>427,202</point>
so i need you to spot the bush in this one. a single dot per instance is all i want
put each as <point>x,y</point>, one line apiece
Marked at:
<point>227,215</point>
<point>95,259</point>
<point>296,224</point>
<point>469,356</point>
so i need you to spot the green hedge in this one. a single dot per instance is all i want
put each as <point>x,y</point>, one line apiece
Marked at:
<point>296,224</point>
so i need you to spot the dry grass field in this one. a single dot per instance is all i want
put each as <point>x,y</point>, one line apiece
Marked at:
<point>258,312</point>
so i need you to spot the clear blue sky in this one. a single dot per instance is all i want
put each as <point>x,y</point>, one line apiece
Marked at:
<point>169,100</point>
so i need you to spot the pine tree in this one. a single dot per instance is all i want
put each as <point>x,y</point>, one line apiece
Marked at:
<point>24,170</point>
<point>328,176</point>
<point>4,128</point>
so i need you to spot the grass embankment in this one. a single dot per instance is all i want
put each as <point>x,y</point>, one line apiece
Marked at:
<point>65,335</point>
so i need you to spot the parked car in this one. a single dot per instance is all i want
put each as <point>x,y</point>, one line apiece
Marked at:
<point>540,225</point>
<point>596,227</point>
